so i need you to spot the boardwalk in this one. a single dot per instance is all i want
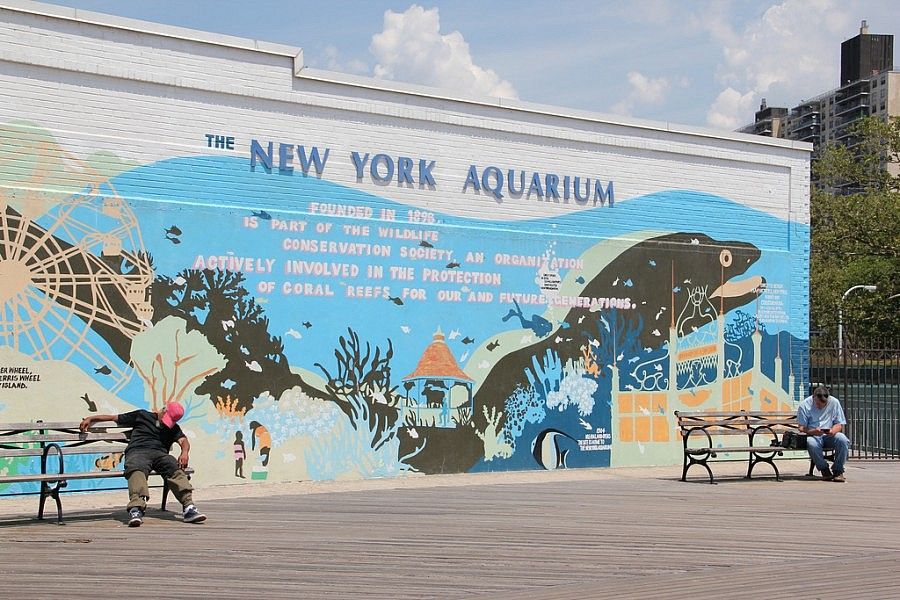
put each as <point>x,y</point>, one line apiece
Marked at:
<point>635,533</point>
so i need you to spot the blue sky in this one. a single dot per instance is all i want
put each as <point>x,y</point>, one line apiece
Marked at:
<point>696,62</point>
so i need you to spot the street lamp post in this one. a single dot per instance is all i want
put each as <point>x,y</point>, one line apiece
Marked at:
<point>868,288</point>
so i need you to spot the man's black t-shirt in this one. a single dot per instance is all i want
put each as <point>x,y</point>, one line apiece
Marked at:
<point>147,432</point>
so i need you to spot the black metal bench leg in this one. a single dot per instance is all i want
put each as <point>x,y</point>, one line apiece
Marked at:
<point>770,460</point>
<point>167,488</point>
<point>47,491</point>
<point>690,461</point>
<point>55,493</point>
<point>812,465</point>
<point>165,493</point>
<point>708,470</point>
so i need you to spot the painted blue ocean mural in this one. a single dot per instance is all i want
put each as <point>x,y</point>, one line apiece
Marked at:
<point>337,333</point>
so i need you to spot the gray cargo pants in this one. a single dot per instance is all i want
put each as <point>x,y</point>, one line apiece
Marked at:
<point>139,463</point>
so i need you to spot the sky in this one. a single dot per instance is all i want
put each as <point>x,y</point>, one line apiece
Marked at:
<point>695,62</point>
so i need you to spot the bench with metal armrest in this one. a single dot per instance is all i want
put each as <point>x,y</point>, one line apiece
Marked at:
<point>43,441</point>
<point>755,433</point>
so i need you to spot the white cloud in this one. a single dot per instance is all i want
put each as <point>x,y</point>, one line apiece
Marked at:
<point>729,109</point>
<point>788,53</point>
<point>644,91</point>
<point>411,48</point>
<point>331,57</point>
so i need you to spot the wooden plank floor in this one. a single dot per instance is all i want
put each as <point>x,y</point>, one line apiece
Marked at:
<point>632,533</point>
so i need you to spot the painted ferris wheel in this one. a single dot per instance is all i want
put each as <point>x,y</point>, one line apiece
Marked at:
<point>74,275</point>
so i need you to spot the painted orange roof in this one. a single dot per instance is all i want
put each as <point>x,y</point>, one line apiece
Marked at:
<point>437,361</point>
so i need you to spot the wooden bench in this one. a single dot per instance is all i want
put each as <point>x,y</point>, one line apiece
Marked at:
<point>42,441</point>
<point>755,433</point>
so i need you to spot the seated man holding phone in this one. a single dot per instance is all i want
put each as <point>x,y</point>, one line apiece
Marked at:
<point>822,419</point>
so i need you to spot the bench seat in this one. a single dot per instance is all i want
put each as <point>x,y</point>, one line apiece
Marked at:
<point>725,449</point>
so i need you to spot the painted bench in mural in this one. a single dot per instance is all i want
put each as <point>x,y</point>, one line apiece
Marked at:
<point>54,445</point>
<point>762,430</point>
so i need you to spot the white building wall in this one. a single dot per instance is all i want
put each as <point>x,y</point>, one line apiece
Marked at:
<point>148,93</point>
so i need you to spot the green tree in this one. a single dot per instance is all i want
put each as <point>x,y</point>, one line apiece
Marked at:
<point>855,237</point>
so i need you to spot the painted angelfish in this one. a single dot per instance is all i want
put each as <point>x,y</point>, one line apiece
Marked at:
<point>546,450</point>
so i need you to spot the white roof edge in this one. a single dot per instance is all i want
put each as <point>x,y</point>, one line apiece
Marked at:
<point>544,109</point>
<point>170,31</point>
<point>300,70</point>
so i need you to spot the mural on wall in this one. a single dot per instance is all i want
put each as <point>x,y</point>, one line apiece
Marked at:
<point>314,331</point>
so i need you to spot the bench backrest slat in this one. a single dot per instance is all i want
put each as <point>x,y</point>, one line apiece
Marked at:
<point>90,436</point>
<point>70,476</point>
<point>718,423</point>
<point>761,413</point>
<point>53,425</point>
<point>68,450</point>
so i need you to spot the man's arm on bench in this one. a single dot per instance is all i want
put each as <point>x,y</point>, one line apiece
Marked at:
<point>87,422</point>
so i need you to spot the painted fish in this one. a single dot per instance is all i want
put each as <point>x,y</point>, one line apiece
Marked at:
<point>261,214</point>
<point>396,300</point>
<point>92,406</point>
<point>108,462</point>
<point>546,451</point>
<point>493,345</point>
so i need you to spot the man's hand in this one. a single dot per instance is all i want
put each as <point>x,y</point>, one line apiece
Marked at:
<point>183,460</point>
<point>88,422</point>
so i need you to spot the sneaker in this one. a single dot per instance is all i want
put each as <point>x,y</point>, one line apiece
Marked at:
<point>826,475</point>
<point>839,477</point>
<point>192,515</point>
<point>135,517</point>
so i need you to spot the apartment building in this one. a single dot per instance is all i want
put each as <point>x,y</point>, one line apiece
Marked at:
<point>869,87</point>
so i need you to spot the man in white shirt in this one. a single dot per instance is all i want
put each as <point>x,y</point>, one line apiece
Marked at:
<point>822,419</point>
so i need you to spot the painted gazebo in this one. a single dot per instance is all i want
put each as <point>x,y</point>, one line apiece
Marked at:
<point>438,392</point>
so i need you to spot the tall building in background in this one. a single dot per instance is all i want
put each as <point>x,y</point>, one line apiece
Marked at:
<point>866,55</point>
<point>869,86</point>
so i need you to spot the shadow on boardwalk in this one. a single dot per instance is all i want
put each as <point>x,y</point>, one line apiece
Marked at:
<point>624,533</point>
